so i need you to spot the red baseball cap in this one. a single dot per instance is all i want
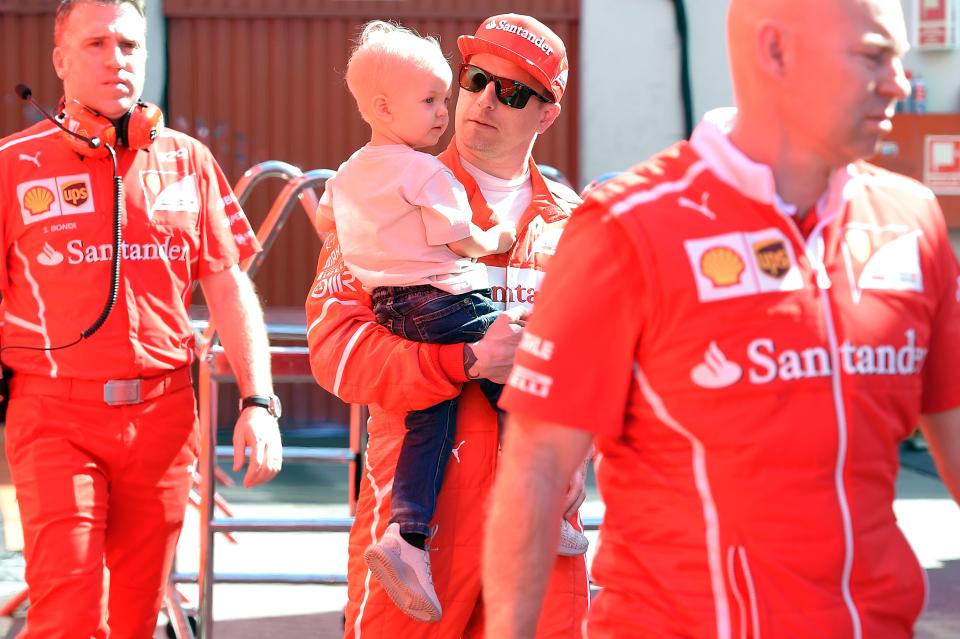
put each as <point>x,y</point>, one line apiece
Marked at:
<point>526,42</point>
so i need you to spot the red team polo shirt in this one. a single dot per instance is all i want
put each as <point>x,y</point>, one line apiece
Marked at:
<point>181,222</point>
<point>748,391</point>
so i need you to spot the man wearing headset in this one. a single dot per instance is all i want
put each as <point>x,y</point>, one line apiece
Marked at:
<point>511,59</point>
<point>101,431</point>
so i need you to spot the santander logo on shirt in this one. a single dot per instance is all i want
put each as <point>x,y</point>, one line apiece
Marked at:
<point>766,363</point>
<point>79,253</point>
<point>515,286</point>
<point>716,371</point>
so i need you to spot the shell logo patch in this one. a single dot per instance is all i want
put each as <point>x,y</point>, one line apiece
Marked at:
<point>722,266</point>
<point>55,196</point>
<point>740,264</point>
<point>38,200</point>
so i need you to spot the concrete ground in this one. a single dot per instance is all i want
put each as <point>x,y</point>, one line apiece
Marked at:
<point>930,520</point>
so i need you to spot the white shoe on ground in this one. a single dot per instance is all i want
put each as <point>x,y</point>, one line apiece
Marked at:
<point>404,572</point>
<point>572,541</point>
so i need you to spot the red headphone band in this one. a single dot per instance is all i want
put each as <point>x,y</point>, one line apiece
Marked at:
<point>138,129</point>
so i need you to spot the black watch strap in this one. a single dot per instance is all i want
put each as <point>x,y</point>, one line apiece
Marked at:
<point>270,402</point>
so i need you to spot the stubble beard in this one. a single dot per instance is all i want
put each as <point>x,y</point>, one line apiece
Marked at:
<point>479,144</point>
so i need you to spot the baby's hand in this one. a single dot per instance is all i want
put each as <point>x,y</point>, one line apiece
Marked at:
<point>506,236</point>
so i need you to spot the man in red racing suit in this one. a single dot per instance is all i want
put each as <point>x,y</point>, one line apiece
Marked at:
<point>362,362</point>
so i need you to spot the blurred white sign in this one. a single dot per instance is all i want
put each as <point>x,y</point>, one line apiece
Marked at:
<point>936,24</point>
<point>941,163</point>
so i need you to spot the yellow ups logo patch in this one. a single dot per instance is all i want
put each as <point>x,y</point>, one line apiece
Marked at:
<point>75,194</point>
<point>772,258</point>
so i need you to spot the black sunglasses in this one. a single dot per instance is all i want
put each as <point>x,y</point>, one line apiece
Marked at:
<point>509,92</point>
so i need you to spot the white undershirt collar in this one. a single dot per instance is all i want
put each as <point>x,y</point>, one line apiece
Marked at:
<point>711,141</point>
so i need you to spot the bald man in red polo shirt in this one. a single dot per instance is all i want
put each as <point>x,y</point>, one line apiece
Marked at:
<point>770,317</point>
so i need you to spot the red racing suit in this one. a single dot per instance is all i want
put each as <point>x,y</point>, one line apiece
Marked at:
<point>361,362</point>
<point>755,386</point>
<point>98,483</point>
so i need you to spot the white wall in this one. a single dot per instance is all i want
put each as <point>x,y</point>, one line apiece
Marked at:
<point>709,69</point>
<point>630,80</point>
<point>628,83</point>
<point>155,86</point>
<point>629,76</point>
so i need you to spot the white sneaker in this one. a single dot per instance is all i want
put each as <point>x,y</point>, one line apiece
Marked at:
<point>404,572</point>
<point>572,541</point>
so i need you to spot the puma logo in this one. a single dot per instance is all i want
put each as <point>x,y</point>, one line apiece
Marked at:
<point>699,208</point>
<point>31,158</point>
<point>456,451</point>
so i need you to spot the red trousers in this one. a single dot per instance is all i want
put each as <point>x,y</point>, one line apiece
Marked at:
<point>99,487</point>
<point>457,544</point>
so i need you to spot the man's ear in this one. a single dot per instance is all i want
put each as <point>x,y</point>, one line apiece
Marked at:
<point>548,114</point>
<point>381,108</point>
<point>58,61</point>
<point>772,45</point>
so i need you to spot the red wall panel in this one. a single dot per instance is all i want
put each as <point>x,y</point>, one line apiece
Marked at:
<point>264,80</point>
<point>26,43</point>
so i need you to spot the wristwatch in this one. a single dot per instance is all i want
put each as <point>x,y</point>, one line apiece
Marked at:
<point>270,402</point>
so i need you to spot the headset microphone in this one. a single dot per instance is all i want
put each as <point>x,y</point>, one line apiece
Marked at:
<point>92,146</point>
<point>25,94</point>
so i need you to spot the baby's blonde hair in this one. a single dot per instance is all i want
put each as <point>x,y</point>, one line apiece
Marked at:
<point>381,49</point>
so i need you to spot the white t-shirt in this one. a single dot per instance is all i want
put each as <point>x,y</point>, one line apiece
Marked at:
<point>508,199</point>
<point>396,209</point>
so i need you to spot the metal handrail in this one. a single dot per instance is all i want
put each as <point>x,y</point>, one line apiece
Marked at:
<point>303,454</point>
<point>296,190</point>
<point>269,169</point>
<point>267,578</point>
<point>591,523</point>
<point>260,172</point>
<point>213,368</point>
<point>250,524</point>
